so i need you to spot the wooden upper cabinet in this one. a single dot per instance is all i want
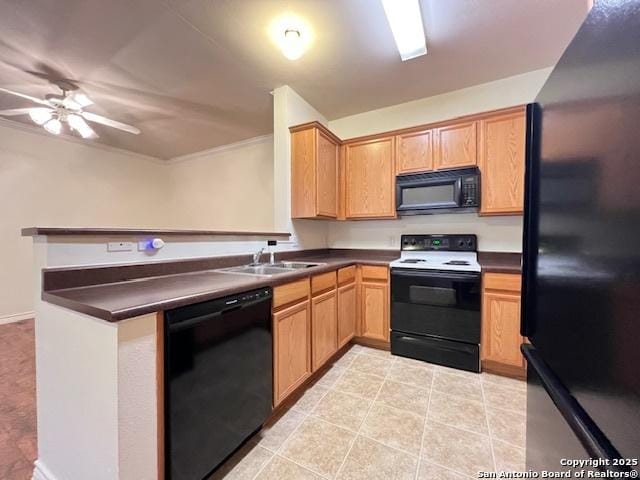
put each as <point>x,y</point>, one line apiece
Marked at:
<point>414,152</point>
<point>314,172</point>
<point>456,145</point>
<point>370,179</point>
<point>502,163</point>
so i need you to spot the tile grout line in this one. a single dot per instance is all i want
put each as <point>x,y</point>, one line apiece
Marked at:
<point>355,438</point>
<point>305,415</point>
<point>424,425</point>
<point>486,419</point>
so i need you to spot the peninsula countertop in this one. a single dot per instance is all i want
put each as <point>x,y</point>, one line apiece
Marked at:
<point>119,292</point>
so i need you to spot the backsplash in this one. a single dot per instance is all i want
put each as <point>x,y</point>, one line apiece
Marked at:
<point>495,234</point>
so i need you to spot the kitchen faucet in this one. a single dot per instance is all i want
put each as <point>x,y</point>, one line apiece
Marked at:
<point>256,256</point>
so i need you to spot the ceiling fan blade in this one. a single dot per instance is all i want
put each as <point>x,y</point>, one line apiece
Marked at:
<point>15,111</point>
<point>77,123</point>
<point>92,117</point>
<point>28,97</point>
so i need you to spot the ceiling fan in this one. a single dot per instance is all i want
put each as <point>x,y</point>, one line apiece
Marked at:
<point>67,107</point>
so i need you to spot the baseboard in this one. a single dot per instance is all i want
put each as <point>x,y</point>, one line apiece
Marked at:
<point>373,343</point>
<point>41,472</point>
<point>16,317</point>
<point>504,370</point>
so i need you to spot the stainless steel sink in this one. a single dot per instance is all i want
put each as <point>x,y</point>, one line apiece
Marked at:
<point>296,265</point>
<point>268,270</point>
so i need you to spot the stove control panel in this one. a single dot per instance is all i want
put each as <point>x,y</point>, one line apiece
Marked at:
<point>454,243</point>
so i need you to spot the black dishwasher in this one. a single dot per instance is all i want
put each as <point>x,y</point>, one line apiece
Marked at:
<point>218,380</point>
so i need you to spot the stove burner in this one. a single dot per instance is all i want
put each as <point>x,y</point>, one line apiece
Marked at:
<point>456,262</point>
<point>413,260</point>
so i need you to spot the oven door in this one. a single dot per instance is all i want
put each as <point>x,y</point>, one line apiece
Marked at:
<point>414,195</point>
<point>439,304</point>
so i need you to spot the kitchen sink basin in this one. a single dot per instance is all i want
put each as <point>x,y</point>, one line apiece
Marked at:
<point>268,270</point>
<point>296,265</point>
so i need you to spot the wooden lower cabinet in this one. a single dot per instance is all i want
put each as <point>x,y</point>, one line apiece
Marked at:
<point>291,348</point>
<point>324,328</point>
<point>347,312</point>
<point>374,302</point>
<point>501,338</point>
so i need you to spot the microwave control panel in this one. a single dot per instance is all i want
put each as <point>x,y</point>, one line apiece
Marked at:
<point>469,187</point>
<point>456,243</point>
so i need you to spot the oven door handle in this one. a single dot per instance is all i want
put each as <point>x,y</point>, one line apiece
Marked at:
<point>423,274</point>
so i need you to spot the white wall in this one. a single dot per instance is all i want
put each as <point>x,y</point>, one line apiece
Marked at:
<point>50,181</point>
<point>291,109</point>
<point>494,234</point>
<point>230,188</point>
<point>53,182</point>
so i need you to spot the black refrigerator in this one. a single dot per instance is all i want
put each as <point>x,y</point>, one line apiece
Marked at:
<point>581,252</point>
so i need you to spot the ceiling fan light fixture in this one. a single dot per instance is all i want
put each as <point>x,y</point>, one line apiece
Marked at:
<point>40,115</point>
<point>405,20</point>
<point>77,123</point>
<point>53,126</point>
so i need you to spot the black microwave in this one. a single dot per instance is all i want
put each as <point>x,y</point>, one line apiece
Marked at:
<point>447,191</point>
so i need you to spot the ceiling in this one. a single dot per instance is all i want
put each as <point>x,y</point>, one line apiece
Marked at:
<point>196,74</point>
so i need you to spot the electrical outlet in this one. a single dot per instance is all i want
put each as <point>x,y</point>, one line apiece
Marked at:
<point>120,246</point>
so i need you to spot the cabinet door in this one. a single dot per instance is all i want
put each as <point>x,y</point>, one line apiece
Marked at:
<point>501,337</point>
<point>370,179</point>
<point>374,298</point>
<point>324,328</point>
<point>303,174</point>
<point>502,152</point>
<point>414,152</point>
<point>291,346</point>
<point>347,309</point>
<point>327,176</point>
<point>456,146</point>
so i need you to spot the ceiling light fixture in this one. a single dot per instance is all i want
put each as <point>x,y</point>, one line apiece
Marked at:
<point>40,115</point>
<point>405,20</point>
<point>53,126</point>
<point>77,123</point>
<point>292,46</point>
<point>291,34</point>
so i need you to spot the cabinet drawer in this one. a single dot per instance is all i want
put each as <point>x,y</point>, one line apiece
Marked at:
<point>502,281</point>
<point>323,282</point>
<point>372,272</point>
<point>290,293</point>
<point>346,275</point>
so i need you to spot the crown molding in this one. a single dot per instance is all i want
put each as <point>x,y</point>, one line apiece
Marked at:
<point>220,149</point>
<point>80,141</point>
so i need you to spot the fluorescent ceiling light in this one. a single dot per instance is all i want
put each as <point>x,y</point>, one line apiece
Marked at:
<point>405,21</point>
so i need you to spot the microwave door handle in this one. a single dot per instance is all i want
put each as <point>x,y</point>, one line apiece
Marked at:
<point>457,191</point>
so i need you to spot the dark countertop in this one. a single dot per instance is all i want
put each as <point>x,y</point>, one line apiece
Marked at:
<point>127,299</point>
<point>500,262</point>
<point>130,298</point>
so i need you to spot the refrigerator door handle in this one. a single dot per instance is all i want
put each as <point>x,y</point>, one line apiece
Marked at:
<point>590,436</point>
<point>530,219</point>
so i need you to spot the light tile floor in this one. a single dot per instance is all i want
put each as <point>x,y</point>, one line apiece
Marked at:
<point>377,416</point>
